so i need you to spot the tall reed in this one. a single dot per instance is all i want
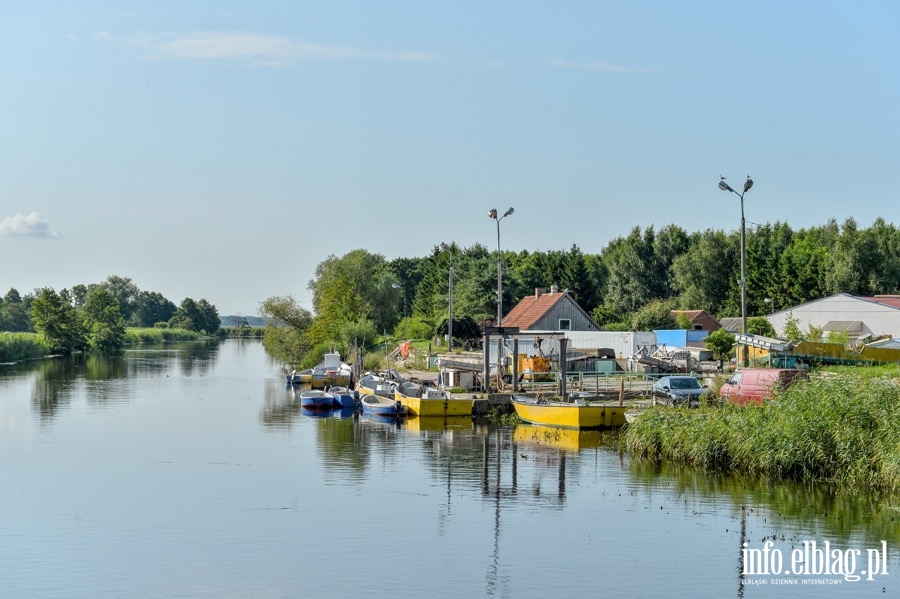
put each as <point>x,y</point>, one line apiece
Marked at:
<point>843,428</point>
<point>153,335</point>
<point>22,346</point>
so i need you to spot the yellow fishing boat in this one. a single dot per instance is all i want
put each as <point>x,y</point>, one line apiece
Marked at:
<point>427,401</point>
<point>576,414</point>
<point>565,439</point>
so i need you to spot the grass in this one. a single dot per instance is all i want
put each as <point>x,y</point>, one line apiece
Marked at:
<point>15,347</point>
<point>842,428</point>
<point>153,335</point>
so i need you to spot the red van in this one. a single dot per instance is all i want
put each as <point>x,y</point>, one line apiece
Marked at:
<point>752,385</point>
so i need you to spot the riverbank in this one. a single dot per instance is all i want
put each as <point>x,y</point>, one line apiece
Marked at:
<point>842,428</point>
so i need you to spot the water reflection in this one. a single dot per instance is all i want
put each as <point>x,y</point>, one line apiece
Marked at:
<point>107,380</point>
<point>219,456</point>
<point>825,509</point>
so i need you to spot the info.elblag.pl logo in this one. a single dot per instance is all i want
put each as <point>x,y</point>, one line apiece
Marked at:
<point>812,559</point>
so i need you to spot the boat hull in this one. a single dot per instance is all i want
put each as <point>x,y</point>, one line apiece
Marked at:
<point>303,377</point>
<point>382,406</point>
<point>569,415</point>
<point>435,406</point>
<point>343,397</point>
<point>316,400</point>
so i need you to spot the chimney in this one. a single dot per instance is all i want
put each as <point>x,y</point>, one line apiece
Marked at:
<point>554,289</point>
<point>539,291</point>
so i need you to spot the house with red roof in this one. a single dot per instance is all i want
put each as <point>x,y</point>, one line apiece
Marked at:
<point>701,320</point>
<point>549,311</point>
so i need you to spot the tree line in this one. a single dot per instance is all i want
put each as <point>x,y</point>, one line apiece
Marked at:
<point>95,316</point>
<point>632,284</point>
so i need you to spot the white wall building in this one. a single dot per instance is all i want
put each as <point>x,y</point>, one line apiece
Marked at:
<point>859,317</point>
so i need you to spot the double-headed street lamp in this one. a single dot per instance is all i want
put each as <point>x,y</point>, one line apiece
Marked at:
<point>493,214</point>
<point>725,187</point>
<point>447,248</point>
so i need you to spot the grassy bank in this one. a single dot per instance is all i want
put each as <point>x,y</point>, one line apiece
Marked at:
<point>842,428</point>
<point>151,335</point>
<point>22,346</point>
<point>243,332</point>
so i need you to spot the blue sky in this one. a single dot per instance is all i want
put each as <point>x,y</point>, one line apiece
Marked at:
<point>221,150</point>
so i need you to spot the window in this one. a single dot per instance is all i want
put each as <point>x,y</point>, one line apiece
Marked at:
<point>565,324</point>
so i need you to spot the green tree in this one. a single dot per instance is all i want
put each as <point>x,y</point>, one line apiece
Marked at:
<point>152,307</point>
<point>721,343</point>
<point>208,321</point>
<point>792,330</point>
<point>102,321</point>
<point>15,312</point>
<point>657,314</point>
<point>704,274</point>
<point>187,316</point>
<point>285,333</point>
<point>58,321</point>
<point>360,332</point>
<point>758,325</point>
<point>125,292</point>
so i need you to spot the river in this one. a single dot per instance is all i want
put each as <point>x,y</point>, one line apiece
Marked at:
<point>190,471</point>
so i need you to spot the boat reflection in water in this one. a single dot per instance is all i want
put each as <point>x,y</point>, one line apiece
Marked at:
<point>317,412</point>
<point>421,426</point>
<point>565,439</point>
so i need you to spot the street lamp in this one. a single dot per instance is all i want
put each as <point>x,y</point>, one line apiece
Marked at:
<point>446,248</point>
<point>493,214</point>
<point>769,300</point>
<point>725,187</point>
<point>396,286</point>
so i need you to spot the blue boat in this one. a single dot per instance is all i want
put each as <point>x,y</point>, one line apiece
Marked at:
<point>343,397</point>
<point>316,399</point>
<point>382,406</point>
<point>302,377</point>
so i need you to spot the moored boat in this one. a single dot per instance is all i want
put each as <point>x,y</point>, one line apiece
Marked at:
<point>331,372</point>
<point>299,377</point>
<point>577,414</point>
<point>373,384</point>
<point>421,400</point>
<point>343,397</point>
<point>382,406</point>
<point>316,399</point>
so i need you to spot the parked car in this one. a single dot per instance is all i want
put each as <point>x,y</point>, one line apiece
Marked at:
<point>674,390</point>
<point>753,385</point>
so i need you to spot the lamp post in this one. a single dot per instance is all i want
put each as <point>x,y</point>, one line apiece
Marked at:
<point>769,300</point>
<point>447,248</point>
<point>725,187</point>
<point>493,214</point>
<point>396,286</point>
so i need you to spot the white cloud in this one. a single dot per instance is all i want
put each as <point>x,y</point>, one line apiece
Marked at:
<point>31,225</point>
<point>259,48</point>
<point>595,66</point>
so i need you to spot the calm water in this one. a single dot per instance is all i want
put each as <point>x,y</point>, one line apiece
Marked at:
<point>192,472</point>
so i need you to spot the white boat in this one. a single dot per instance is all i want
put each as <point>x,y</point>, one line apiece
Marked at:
<point>382,406</point>
<point>331,372</point>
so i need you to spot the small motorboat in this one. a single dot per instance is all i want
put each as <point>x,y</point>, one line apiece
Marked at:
<point>343,397</point>
<point>299,377</point>
<point>316,399</point>
<point>383,406</point>
<point>421,400</point>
